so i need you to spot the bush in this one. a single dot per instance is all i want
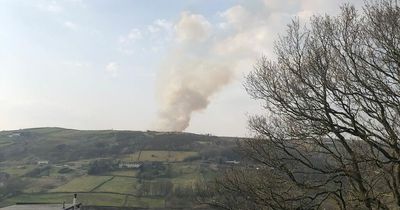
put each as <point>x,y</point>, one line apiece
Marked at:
<point>65,170</point>
<point>101,166</point>
<point>39,172</point>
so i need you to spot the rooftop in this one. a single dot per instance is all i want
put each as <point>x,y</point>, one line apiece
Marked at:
<point>34,207</point>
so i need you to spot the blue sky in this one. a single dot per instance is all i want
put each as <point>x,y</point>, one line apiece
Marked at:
<point>130,64</point>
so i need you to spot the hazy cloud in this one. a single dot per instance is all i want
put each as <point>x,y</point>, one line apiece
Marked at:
<point>160,25</point>
<point>133,35</point>
<point>192,27</point>
<point>50,6</point>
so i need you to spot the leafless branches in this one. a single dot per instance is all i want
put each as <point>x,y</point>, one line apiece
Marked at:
<point>331,130</point>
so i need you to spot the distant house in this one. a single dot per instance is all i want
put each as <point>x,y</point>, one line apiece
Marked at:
<point>14,135</point>
<point>43,162</point>
<point>129,165</point>
<point>233,162</point>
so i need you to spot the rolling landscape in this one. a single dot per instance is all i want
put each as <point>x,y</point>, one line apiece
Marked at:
<point>205,105</point>
<point>109,168</point>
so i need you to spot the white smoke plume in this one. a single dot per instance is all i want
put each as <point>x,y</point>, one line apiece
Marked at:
<point>191,75</point>
<point>190,86</point>
<point>205,57</point>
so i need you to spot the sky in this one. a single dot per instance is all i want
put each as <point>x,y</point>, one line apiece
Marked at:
<point>171,65</point>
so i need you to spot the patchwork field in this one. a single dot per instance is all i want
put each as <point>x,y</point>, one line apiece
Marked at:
<point>95,199</point>
<point>124,185</point>
<point>128,173</point>
<point>17,170</point>
<point>145,202</point>
<point>82,184</point>
<point>43,184</point>
<point>166,179</point>
<point>99,199</point>
<point>160,155</point>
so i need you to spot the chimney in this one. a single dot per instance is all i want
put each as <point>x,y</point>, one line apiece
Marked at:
<point>74,201</point>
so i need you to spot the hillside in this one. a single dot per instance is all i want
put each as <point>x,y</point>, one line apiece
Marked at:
<point>108,168</point>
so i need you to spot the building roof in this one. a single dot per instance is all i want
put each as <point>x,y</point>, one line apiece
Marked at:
<point>34,207</point>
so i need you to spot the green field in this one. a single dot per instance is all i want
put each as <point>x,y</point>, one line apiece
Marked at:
<point>145,202</point>
<point>130,173</point>
<point>43,184</point>
<point>124,185</point>
<point>82,184</point>
<point>33,198</point>
<point>87,198</point>
<point>18,170</point>
<point>96,199</point>
<point>5,143</point>
<point>160,155</point>
<point>165,179</point>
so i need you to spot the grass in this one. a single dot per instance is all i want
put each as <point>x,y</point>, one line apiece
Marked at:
<point>96,199</point>
<point>5,143</point>
<point>82,184</point>
<point>102,199</point>
<point>119,191</point>
<point>185,168</point>
<point>145,202</point>
<point>43,184</point>
<point>159,155</point>
<point>124,185</point>
<point>89,199</point>
<point>38,198</point>
<point>131,173</point>
<point>18,170</point>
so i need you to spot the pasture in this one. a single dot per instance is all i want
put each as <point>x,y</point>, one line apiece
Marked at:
<point>160,156</point>
<point>82,184</point>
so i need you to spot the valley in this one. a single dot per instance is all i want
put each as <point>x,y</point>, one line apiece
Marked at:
<point>109,168</point>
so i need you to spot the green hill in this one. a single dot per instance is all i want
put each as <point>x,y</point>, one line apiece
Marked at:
<point>108,168</point>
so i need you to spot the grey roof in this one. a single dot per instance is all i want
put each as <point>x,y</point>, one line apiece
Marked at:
<point>34,207</point>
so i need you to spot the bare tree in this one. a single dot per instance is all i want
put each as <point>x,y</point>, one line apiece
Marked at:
<point>330,134</point>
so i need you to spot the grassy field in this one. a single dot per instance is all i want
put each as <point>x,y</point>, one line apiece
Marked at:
<point>114,188</point>
<point>96,199</point>
<point>82,184</point>
<point>159,155</point>
<point>18,170</point>
<point>43,184</point>
<point>185,168</point>
<point>102,199</point>
<point>130,173</point>
<point>87,198</point>
<point>156,183</point>
<point>5,143</point>
<point>42,198</point>
<point>125,185</point>
<point>145,202</point>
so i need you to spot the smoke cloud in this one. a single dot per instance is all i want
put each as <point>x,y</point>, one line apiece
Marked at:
<point>206,56</point>
<point>203,60</point>
<point>191,75</point>
<point>189,86</point>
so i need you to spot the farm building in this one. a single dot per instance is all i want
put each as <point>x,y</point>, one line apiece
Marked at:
<point>233,162</point>
<point>129,165</point>
<point>14,135</point>
<point>43,162</point>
